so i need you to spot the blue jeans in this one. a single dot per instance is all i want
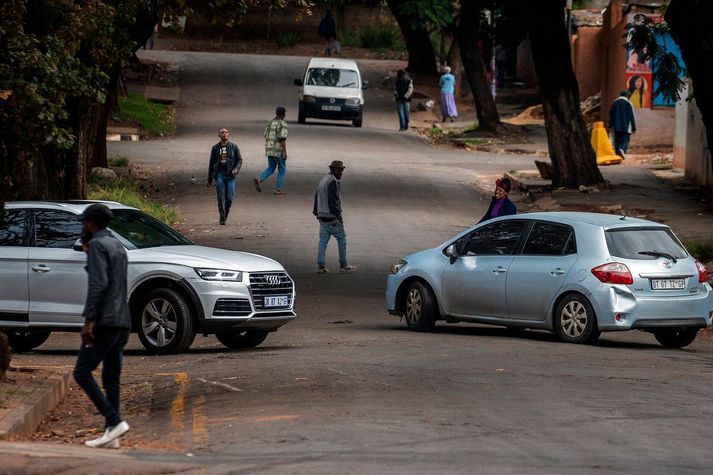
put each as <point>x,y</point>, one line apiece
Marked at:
<point>621,141</point>
<point>327,230</point>
<point>403,109</point>
<point>108,347</point>
<point>272,163</point>
<point>225,189</point>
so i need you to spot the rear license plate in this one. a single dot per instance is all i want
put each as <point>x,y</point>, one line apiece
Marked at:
<point>332,108</point>
<point>668,284</point>
<point>280,301</point>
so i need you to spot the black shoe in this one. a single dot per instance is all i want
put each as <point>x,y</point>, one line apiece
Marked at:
<point>222,221</point>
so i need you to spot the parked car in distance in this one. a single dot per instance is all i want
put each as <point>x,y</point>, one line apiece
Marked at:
<point>576,274</point>
<point>176,289</point>
<point>331,89</point>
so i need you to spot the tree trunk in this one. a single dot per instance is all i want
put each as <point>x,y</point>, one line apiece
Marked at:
<point>421,57</point>
<point>455,61</point>
<point>693,34</point>
<point>5,356</point>
<point>467,36</point>
<point>573,159</point>
<point>100,118</point>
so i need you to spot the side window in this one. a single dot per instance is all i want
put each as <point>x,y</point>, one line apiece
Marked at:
<point>12,228</point>
<point>58,229</point>
<point>550,240</point>
<point>496,239</point>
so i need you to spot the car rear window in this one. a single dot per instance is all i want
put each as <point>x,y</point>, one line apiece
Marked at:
<point>631,242</point>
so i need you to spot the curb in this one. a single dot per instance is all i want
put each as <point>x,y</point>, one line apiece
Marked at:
<point>24,419</point>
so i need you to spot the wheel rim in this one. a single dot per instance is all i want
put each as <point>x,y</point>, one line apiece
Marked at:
<point>159,322</point>
<point>573,319</point>
<point>414,306</point>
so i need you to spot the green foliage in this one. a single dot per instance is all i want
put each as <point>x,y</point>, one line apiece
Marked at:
<point>128,192</point>
<point>119,161</point>
<point>380,36</point>
<point>287,39</point>
<point>156,119</point>
<point>701,250</point>
<point>431,14</point>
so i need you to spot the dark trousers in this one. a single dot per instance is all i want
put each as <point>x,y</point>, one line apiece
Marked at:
<point>621,141</point>
<point>108,348</point>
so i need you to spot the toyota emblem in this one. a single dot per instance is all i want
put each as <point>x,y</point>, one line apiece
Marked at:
<point>331,100</point>
<point>666,264</point>
<point>273,280</point>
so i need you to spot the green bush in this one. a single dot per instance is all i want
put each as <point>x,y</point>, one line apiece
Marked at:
<point>287,39</point>
<point>119,161</point>
<point>156,119</point>
<point>701,250</point>
<point>128,192</point>
<point>349,38</point>
<point>379,37</point>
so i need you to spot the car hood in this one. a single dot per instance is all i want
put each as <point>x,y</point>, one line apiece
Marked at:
<point>209,257</point>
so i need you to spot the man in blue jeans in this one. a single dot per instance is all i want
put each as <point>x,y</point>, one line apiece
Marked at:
<point>403,89</point>
<point>276,152</point>
<point>328,210</point>
<point>107,322</point>
<point>223,167</point>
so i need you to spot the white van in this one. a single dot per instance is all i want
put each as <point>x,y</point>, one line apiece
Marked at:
<point>331,89</point>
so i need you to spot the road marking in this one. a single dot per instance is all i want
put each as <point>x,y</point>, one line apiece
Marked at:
<point>221,385</point>
<point>200,423</point>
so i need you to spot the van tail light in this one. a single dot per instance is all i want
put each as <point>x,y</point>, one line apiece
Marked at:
<point>613,273</point>
<point>702,273</point>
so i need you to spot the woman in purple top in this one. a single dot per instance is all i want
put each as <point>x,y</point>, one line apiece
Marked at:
<point>500,205</point>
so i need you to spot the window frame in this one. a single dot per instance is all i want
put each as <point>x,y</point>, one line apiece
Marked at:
<point>34,226</point>
<point>25,225</point>
<point>573,235</point>
<point>462,240</point>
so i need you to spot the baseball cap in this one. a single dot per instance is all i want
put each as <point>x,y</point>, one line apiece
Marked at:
<point>97,213</point>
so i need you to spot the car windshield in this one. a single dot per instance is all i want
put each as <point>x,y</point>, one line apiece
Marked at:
<point>331,77</point>
<point>139,230</point>
<point>644,244</point>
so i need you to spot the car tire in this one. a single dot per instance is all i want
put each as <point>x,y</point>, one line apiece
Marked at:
<point>575,321</point>
<point>357,123</point>
<point>242,339</point>
<point>676,337</point>
<point>22,340</point>
<point>300,114</point>
<point>419,307</point>
<point>165,322</point>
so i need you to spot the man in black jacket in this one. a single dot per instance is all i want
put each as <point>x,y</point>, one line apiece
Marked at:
<point>403,89</point>
<point>107,322</point>
<point>223,167</point>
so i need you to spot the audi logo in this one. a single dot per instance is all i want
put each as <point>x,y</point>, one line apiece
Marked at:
<point>272,280</point>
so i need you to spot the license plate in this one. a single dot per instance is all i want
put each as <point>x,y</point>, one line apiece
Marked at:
<point>668,284</point>
<point>281,301</point>
<point>332,108</point>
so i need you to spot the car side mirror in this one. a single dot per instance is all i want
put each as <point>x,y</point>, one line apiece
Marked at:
<point>77,246</point>
<point>365,84</point>
<point>298,82</point>
<point>452,252</point>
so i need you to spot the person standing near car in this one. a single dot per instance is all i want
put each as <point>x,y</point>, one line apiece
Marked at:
<point>328,210</point>
<point>223,167</point>
<point>276,151</point>
<point>500,204</point>
<point>403,89</point>
<point>107,322</point>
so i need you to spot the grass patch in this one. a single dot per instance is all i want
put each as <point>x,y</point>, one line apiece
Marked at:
<point>701,250</point>
<point>128,192</point>
<point>287,39</point>
<point>474,141</point>
<point>375,37</point>
<point>156,119</point>
<point>118,161</point>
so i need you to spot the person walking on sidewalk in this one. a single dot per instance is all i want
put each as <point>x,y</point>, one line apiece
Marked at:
<point>328,30</point>
<point>403,89</point>
<point>107,322</point>
<point>223,167</point>
<point>447,83</point>
<point>328,210</point>
<point>276,152</point>
<point>622,122</point>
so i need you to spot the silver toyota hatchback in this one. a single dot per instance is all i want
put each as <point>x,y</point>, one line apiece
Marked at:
<point>577,274</point>
<point>176,289</point>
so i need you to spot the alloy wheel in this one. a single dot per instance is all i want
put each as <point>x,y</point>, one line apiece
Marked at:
<point>573,319</point>
<point>159,322</point>
<point>414,306</point>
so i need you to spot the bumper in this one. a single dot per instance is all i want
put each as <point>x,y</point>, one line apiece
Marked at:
<point>314,110</point>
<point>392,287</point>
<point>641,313</point>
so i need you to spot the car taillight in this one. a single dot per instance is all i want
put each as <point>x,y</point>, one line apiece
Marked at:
<point>702,273</point>
<point>613,273</point>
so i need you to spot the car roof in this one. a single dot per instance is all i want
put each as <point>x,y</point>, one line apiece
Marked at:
<point>333,63</point>
<point>606,221</point>
<point>75,206</point>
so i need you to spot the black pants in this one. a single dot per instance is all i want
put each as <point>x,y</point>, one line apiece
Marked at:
<point>108,348</point>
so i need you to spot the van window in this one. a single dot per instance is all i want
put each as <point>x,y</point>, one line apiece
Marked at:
<point>631,242</point>
<point>332,77</point>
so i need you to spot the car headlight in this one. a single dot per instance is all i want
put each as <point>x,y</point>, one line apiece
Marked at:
<point>309,99</point>
<point>398,266</point>
<point>219,274</point>
<point>353,101</point>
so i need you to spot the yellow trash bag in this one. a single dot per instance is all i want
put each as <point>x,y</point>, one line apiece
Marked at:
<point>602,146</point>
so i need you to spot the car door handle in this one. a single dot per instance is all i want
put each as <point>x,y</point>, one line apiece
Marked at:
<point>41,268</point>
<point>557,272</point>
<point>499,270</point>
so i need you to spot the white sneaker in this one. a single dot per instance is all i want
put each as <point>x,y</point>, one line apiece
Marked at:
<point>110,434</point>
<point>114,444</point>
<point>348,269</point>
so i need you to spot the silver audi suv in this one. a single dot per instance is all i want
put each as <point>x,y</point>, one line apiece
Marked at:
<point>176,289</point>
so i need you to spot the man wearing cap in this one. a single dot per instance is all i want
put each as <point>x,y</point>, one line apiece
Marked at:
<point>276,151</point>
<point>223,167</point>
<point>107,322</point>
<point>328,210</point>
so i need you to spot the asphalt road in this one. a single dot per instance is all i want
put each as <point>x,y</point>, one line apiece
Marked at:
<point>346,388</point>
